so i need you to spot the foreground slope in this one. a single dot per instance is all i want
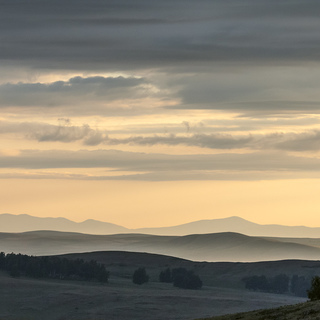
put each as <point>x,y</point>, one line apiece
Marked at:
<point>303,311</point>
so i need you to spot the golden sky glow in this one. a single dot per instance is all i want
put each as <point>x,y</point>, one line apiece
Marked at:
<point>165,203</point>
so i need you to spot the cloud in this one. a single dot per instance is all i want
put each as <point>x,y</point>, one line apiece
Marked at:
<point>144,166</point>
<point>115,35</point>
<point>74,92</point>
<point>272,91</point>
<point>62,133</point>
<point>256,58</point>
<point>305,141</point>
<point>213,141</point>
<point>65,132</point>
<point>168,176</point>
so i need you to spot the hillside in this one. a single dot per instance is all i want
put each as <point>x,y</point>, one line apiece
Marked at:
<point>32,299</point>
<point>218,274</point>
<point>303,311</point>
<point>222,292</point>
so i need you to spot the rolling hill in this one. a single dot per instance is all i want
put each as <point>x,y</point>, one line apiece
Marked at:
<point>225,246</point>
<point>219,274</point>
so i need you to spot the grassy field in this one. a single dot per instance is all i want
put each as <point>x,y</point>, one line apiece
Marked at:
<point>29,299</point>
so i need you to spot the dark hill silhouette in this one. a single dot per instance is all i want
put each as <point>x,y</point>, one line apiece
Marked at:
<point>219,274</point>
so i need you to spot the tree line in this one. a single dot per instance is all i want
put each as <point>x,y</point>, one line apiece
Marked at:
<point>180,277</point>
<point>62,268</point>
<point>281,283</point>
<point>53,267</point>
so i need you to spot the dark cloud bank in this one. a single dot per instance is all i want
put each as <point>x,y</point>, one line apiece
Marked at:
<point>225,48</point>
<point>100,35</point>
<point>73,91</point>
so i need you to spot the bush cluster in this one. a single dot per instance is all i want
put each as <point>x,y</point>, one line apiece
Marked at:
<point>297,285</point>
<point>140,276</point>
<point>181,278</point>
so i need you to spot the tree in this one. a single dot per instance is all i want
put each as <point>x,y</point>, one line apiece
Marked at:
<point>299,285</point>
<point>165,276</point>
<point>280,283</point>
<point>314,292</point>
<point>2,260</point>
<point>257,283</point>
<point>186,279</point>
<point>53,267</point>
<point>140,276</point>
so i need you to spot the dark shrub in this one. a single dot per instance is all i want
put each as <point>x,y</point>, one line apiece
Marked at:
<point>314,292</point>
<point>165,276</point>
<point>140,276</point>
<point>185,279</point>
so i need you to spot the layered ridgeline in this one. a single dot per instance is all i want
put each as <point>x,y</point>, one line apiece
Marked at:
<point>24,222</point>
<point>202,247</point>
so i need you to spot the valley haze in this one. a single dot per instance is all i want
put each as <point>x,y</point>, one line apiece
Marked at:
<point>229,239</point>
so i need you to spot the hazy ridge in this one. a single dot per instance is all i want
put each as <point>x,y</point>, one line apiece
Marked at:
<point>24,222</point>
<point>225,246</point>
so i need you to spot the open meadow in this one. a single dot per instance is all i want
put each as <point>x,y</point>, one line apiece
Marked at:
<point>33,299</point>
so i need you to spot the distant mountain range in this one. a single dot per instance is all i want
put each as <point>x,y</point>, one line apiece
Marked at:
<point>24,222</point>
<point>225,246</point>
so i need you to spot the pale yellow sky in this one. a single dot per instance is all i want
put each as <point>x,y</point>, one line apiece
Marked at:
<point>153,204</point>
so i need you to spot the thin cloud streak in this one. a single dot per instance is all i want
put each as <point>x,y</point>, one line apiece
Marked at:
<point>306,141</point>
<point>145,162</point>
<point>67,133</point>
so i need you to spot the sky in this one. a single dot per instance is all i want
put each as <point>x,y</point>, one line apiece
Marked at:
<point>154,113</point>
